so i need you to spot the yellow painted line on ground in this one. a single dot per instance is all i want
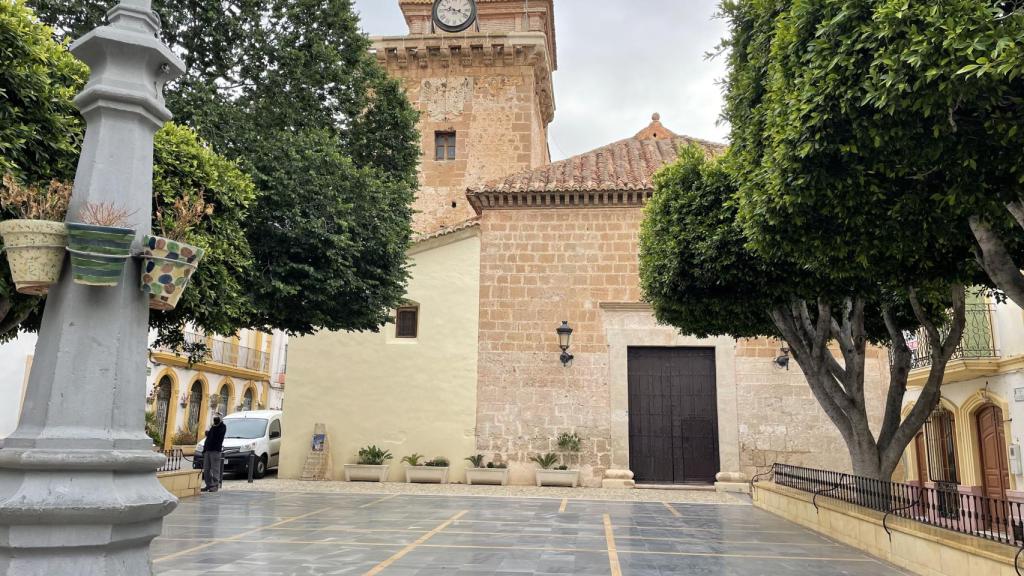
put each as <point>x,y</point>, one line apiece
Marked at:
<point>384,499</point>
<point>672,509</point>
<point>548,549</point>
<point>565,502</point>
<point>237,537</point>
<point>422,539</point>
<point>613,554</point>
<point>739,530</point>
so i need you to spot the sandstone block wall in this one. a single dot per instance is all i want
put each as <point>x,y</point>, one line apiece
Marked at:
<point>493,107</point>
<point>539,267</point>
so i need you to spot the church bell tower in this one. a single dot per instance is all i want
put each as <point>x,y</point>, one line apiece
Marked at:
<point>479,72</point>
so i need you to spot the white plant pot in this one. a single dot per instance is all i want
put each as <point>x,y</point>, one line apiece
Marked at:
<point>366,472</point>
<point>496,476</point>
<point>568,478</point>
<point>426,474</point>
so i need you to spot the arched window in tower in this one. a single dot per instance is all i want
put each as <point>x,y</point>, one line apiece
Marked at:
<point>247,399</point>
<point>195,405</point>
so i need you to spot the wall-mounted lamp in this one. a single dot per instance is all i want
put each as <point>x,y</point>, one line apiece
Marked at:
<point>782,360</point>
<point>564,340</point>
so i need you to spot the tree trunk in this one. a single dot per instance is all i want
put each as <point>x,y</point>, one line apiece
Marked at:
<point>997,262</point>
<point>839,387</point>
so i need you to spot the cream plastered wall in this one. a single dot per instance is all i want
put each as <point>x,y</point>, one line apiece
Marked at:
<point>963,399</point>
<point>1009,329</point>
<point>403,395</point>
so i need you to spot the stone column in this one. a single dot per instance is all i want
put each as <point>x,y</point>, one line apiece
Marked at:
<point>78,492</point>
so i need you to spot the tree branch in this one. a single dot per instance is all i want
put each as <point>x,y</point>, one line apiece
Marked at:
<point>942,351</point>
<point>899,372</point>
<point>995,258</point>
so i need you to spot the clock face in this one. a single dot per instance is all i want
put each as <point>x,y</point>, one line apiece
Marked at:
<point>454,15</point>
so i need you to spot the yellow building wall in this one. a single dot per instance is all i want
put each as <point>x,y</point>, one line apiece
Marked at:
<point>403,395</point>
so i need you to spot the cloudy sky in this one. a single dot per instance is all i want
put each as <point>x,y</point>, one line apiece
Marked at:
<point>619,61</point>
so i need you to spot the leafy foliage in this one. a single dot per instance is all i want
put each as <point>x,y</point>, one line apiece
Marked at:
<point>335,168</point>
<point>413,459</point>
<point>569,442</point>
<point>374,456</point>
<point>477,460</point>
<point>545,461</point>
<point>439,462</point>
<point>152,430</point>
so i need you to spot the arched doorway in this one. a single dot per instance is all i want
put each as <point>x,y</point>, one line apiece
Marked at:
<point>163,405</point>
<point>195,406</point>
<point>247,399</point>
<point>995,470</point>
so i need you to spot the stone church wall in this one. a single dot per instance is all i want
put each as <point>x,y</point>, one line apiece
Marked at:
<point>539,267</point>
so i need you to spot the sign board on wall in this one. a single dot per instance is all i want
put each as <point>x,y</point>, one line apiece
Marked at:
<point>1018,394</point>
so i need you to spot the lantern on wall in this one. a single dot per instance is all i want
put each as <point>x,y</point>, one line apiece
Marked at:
<point>564,341</point>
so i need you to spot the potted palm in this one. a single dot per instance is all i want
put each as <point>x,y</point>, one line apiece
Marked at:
<point>431,472</point>
<point>491,474</point>
<point>168,262</point>
<point>36,240</point>
<point>552,474</point>
<point>100,244</point>
<point>372,466</point>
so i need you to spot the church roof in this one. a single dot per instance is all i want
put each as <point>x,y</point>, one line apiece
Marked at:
<point>593,178</point>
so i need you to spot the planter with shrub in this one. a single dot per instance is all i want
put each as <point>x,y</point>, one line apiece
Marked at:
<point>100,245</point>
<point>550,473</point>
<point>167,260</point>
<point>431,472</point>
<point>496,474</point>
<point>372,466</point>
<point>36,241</point>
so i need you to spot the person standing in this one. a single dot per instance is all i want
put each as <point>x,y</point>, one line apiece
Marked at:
<point>213,454</point>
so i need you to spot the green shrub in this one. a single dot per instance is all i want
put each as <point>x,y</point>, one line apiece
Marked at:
<point>373,456</point>
<point>477,460</point>
<point>439,462</point>
<point>569,442</point>
<point>545,461</point>
<point>152,430</point>
<point>413,459</point>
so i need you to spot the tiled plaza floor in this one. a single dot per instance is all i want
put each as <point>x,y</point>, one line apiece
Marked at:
<point>285,534</point>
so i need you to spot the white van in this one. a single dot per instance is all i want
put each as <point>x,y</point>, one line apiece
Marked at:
<point>252,432</point>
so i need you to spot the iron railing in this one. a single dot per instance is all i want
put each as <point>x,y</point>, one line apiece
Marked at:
<point>993,519</point>
<point>225,352</point>
<point>174,460</point>
<point>978,340</point>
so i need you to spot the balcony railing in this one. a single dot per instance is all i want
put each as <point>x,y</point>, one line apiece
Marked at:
<point>224,352</point>
<point>978,340</point>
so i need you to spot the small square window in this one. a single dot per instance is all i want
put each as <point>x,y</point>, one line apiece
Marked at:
<point>444,146</point>
<point>406,322</point>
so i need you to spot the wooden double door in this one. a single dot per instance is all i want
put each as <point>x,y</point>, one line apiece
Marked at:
<point>673,415</point>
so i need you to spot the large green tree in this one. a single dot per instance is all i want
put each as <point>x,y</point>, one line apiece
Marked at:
<point>290,90</point>
<point>40,140</point>
<point>700,274</point>
<point>883,135</point>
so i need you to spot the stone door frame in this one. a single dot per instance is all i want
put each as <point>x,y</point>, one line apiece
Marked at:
<point>633,325</point>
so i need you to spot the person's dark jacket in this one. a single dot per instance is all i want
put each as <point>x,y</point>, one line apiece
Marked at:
<point>215,438</point>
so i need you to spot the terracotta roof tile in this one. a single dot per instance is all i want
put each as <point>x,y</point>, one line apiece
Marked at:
<point>626,165</point>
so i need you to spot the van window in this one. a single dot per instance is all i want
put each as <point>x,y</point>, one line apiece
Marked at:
<point>245,428</point>
<point>275,429</point>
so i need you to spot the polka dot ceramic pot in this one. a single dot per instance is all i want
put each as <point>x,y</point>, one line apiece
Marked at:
<point>167,266</point>
<point>35,253</point>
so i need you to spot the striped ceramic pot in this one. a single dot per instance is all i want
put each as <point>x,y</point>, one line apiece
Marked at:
<point>167,267</point>
<point>98,253</point>
<point>35,252</point>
